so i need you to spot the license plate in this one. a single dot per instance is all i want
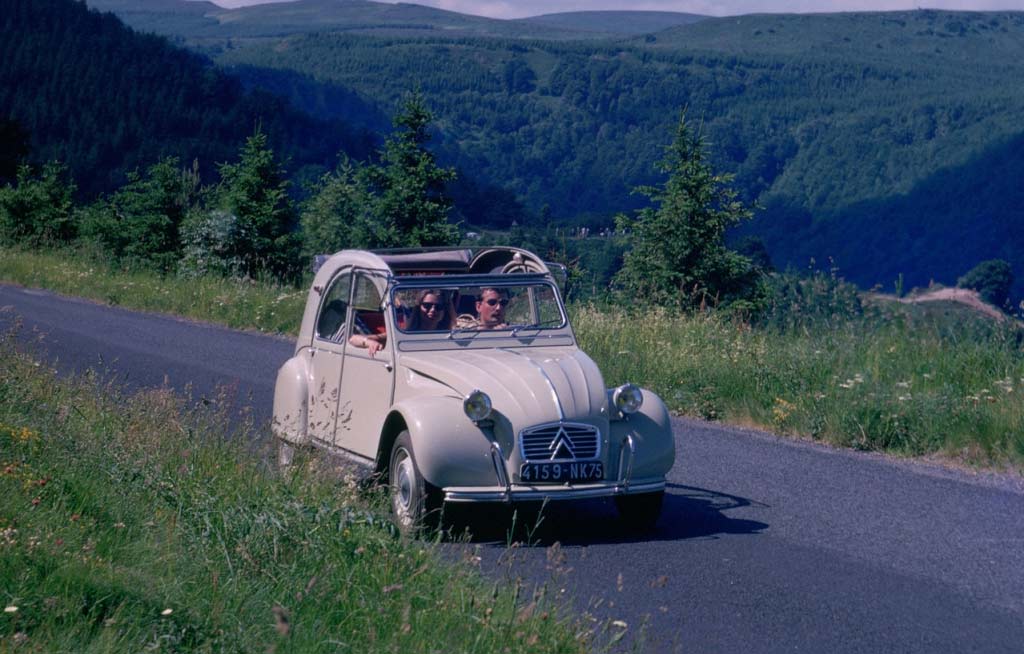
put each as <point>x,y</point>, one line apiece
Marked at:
<point>553,473</point>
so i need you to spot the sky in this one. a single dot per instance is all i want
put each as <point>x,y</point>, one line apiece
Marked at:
<point>522,8</point>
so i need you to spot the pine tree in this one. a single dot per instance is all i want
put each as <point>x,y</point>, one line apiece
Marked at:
<point>139,224</point>
<point>255,192</point>
<point>37,211</point>
<point>678,256</point>
<point>339,213</point>
<point>411,203</point>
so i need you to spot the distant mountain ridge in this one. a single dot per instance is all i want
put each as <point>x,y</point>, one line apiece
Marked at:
<point>201,22</point>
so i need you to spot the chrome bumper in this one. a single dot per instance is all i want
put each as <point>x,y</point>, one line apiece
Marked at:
<point>551,493</point>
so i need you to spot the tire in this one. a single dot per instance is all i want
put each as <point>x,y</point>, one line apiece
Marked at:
<point>415,504</point>
<point>640,511</point>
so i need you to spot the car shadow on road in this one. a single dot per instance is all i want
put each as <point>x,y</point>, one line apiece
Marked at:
<point>688,512</point>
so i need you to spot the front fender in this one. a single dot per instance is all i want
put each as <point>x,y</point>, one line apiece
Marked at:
<point>450,449</point>
<point>290,409</point>
<point>651,429</point>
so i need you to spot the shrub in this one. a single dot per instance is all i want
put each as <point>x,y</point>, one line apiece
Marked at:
<point>992,279</point>
<point>37,211</point>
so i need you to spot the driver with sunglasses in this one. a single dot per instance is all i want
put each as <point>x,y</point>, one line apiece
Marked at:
<point>490,306</point>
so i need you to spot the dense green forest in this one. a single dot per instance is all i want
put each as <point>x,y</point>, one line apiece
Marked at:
<point>886,142</point>
<point>830,134</point>
<point>79,87</point>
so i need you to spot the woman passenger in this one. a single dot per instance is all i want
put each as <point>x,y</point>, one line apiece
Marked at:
<point>433,311</point>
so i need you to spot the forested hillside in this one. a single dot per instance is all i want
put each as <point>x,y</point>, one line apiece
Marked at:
<point>829,122</point>
<point>90,92</point>
<point>886,141</point>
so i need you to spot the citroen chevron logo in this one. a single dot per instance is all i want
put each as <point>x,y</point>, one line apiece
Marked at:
<point>561,446</point>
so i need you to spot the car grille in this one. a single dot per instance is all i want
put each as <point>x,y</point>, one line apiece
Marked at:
<point>559,442</point>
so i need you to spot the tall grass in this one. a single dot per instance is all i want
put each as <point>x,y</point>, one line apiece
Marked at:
<point>130,523</point>
<point>879,385</point>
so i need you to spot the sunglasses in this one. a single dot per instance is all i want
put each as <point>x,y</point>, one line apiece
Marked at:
<point>493,301</point>
<point>428,306</point>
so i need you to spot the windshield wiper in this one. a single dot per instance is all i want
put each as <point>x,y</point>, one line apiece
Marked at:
<point>536,325</point>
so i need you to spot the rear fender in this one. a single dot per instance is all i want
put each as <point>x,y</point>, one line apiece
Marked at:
<point>291,414</point>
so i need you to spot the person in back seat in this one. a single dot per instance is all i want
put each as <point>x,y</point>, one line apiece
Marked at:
<point>373,338</point>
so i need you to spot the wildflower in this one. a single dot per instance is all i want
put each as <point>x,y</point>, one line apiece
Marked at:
<point>167,612</point>
<point>846,384</point>
<point>904,398</point>
<point>622,624</point>
<point>10,609</point>
<point>903,384</point>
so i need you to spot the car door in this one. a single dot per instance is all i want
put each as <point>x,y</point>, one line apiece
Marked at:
<point>327,357</point>
<point>367,382</point>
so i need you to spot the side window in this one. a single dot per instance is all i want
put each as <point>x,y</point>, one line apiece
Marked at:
<point>367,307</point>
<point>330,324</point>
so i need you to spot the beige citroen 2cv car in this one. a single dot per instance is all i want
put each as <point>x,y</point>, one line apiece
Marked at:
<point>453,375</point>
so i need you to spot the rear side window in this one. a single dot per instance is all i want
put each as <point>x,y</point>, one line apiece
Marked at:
<point>330,324</point>
<point>367,307</point>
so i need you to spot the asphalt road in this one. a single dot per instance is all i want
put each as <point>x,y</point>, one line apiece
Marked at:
<point>764,545</point>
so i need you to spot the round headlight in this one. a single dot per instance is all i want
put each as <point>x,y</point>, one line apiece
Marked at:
<point>477,405</point>
<point>628,398</point>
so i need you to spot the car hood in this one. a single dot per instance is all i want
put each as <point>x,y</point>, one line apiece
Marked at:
<point>526,385</point>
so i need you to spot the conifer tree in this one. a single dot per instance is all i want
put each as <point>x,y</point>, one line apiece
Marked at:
<point>678,256</point>
<point>139,224</point>
<point>409,186</point>
<point>339,213</point>
<point>255,192</point>
<point>37,210</point>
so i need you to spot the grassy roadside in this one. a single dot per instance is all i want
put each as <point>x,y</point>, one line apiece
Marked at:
<point>127,524</point>
<point>885,385</point>
<point>909,387</point>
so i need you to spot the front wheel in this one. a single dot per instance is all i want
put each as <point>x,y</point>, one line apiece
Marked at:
<point>415,508</point>
<point>640,511</point>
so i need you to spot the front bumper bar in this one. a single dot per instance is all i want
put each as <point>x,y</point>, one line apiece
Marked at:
<point>517,493</point>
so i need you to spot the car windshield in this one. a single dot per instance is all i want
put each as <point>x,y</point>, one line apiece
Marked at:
<point>457,309</point>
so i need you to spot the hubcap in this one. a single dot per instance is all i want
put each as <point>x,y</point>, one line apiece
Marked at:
<point>403,482</point>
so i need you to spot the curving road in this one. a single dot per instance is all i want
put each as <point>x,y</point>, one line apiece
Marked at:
<point>765,545</point>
